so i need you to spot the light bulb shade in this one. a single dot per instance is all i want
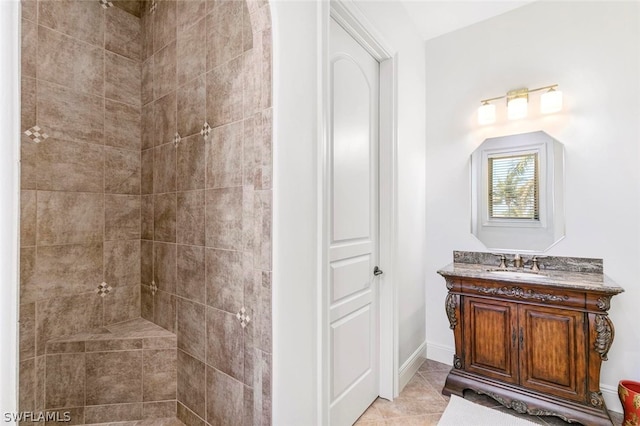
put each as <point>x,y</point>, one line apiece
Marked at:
<point>517,108</point>
<point>486,114</point>
<point>551,102</point>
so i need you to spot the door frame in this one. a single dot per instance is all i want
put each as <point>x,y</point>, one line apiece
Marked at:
<point>347,14</point>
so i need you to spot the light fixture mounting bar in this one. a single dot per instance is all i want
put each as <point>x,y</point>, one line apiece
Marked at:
<point>518,93</point>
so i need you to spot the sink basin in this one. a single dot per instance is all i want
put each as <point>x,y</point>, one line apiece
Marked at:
<point>517,274</point>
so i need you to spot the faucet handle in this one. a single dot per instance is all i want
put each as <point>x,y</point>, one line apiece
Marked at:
<point>534,264</point>
<point>503,260</point>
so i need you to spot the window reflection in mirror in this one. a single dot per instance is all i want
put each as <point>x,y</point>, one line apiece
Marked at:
<point>518,192</point>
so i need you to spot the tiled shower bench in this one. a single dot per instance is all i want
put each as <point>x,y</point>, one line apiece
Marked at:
<point>120,373</point>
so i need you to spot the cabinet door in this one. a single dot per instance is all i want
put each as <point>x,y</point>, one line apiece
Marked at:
<point>490,343</point>
<point>553,351</point>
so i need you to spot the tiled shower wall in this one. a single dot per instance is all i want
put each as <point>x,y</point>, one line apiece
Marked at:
<point>80,178</point>
<point>175,106</point>
<point>206,201</point>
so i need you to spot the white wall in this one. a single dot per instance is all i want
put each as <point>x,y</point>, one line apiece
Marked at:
<point>9,199</point>
<point>298,33</point>
<point>591,49</point>
<point>397,30</point>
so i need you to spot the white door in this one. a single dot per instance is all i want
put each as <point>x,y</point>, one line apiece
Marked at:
<point>353,229</point>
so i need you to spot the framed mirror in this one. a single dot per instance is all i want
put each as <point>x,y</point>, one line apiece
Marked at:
<point>517,192</point>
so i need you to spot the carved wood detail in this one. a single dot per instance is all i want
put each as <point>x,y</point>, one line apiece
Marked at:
<point>604,335</point>
<point>521,407</point>
<point>520,293</point>
<point>596,399</point>
<point>604,303</point>
<point>450,306</point>
<point>457,362</point>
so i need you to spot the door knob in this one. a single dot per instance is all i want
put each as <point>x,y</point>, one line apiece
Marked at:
<point>377,271</point>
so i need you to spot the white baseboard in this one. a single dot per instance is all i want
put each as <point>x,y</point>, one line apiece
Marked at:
<point>610,395</point>
<point>411,366</point>
<point>440,353</point>
<point>444,354</point>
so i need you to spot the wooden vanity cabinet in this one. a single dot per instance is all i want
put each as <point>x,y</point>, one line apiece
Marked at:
<point>534,348</point>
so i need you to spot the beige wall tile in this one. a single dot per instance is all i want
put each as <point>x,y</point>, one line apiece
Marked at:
<point>69,115</point>
<point>252,85</point>
<point>29,48</point>
<point>113,412</point>
<point>191,107</point>
<point>191,163</point>
<point>191,273</point>
<point>122,304</point>
<point>122,79</point>
<point>66,316</point>
<point>225,280</point>
<point>27,103</point>
<point>190,219</point>
<point>164,25</point>
<point>70,166</point>
<point>264,154</point>
<point>122,171</point>
<point>265,331</point>
<point>191,50</point>
<point>146,303</point>
<point>164,69</point>
<point>112,345</point>
<point>159,374</point>
<point>191,329</point>
<point>122,263</point>
<point>69,347</point>
<point>224,218</point>
<point>164,113</point>
<point>27,218</point>
<point>65,380</point>
<point>224,93</point>
<point>123,33</point>
<point>224,35</point>
<point>147,171</point>
<point>164,168</point>
<point>159,410</point>
<point>163,342</point>
<point>122,217</point>
<point>27,330</point>
<point>59,271</point>
<point>263,221</point>
<point>114,377</point>
<point>147,126</point>
<point>164,217</point>
<point>247,31</point>
<point>225,350</point>
<point>122,124</point>
<point>146,262</point>
<point>28,384</point>
<point>79,19</point>
<point>164,261</point>
<point>224,156</point>
<point>189,13</point>
<point>29,10</point>
<point>147,81</point>
<point>188,417</point>
<point>70,62</point>
<point>225,398</point>
<point>191,383</point>
<point>146,217</point>
<point>164,310</point>
<point>267,67</point>
<point>67,218</point>
<point>28,163</point>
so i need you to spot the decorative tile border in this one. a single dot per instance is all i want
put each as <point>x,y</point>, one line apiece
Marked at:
<point>36,134</point>
<point>103,289</point>
<point>176,139</point>
<point>154,287</point>
<point>105,4</point>
<point>243,317</point>
<point>206,130</point>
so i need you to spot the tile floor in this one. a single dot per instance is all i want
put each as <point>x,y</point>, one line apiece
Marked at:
<point>421,403</point>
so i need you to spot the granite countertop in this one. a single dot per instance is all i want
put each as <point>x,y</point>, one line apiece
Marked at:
<point>574,273</point>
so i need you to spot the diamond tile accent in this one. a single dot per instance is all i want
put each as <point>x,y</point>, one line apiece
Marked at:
<point>103,289</point>
<point>106,3</point>
<point>154,287</point>
<point>176,139</point>
<point>243,317</point>
<point>36,134</point>
<point>206,130</point>
<point>153,6</point>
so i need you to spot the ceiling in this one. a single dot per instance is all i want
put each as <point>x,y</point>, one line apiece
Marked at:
<point>436,17</point>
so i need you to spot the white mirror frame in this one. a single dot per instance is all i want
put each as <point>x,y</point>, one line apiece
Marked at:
<point>518,235</point>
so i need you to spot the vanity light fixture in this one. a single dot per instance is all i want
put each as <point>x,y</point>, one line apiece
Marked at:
<point>517,104</point>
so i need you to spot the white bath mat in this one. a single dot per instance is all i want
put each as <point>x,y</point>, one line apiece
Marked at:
<point>460,412</point>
